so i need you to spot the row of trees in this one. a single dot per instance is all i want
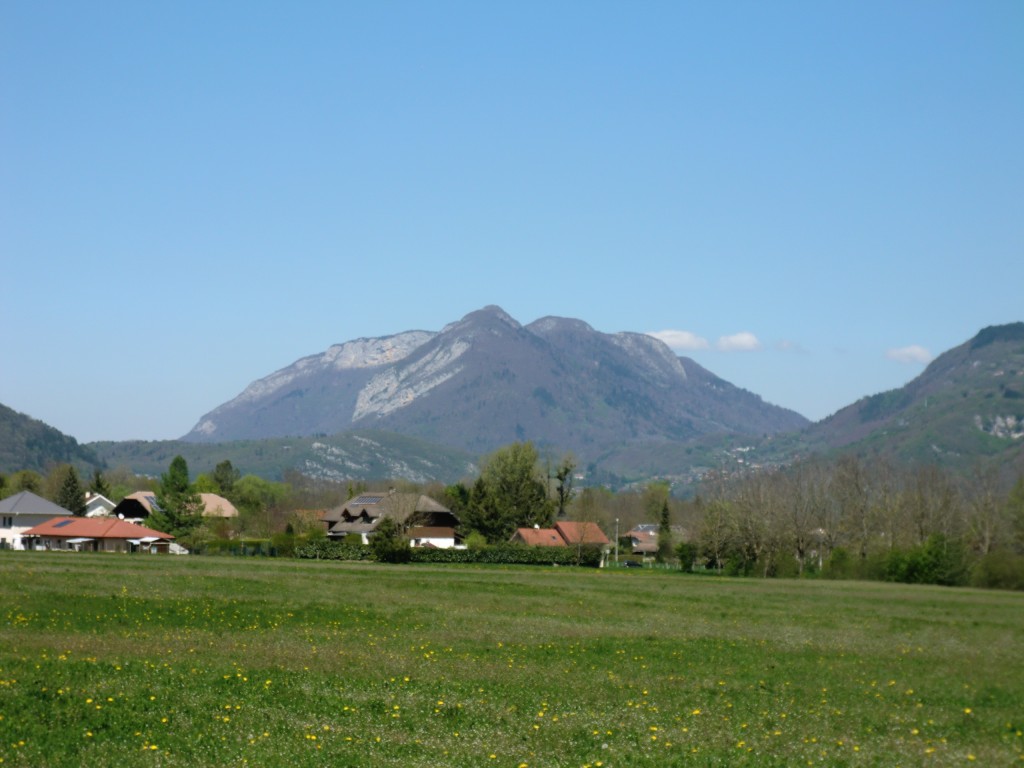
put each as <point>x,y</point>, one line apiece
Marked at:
<point>859,518</point>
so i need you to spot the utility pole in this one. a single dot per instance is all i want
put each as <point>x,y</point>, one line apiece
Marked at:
<point>616,541</point>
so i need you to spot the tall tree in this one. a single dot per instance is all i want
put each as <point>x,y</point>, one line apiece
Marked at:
<point>99,484</point>
<point>71,495</point>
<point>563,491</point>
<point>225,476</point>
<point>664,552</point>
<point>510,493</point>
<point>181,509</point>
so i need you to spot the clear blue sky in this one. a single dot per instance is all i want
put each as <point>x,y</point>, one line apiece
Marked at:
<point>813,196</point>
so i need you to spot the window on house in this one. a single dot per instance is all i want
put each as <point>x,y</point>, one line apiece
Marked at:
<point>8,522</point>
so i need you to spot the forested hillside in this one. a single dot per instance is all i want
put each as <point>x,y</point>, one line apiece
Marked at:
<point>27,443</point>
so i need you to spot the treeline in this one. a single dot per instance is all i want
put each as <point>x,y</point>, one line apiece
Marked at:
<point>855,518</point>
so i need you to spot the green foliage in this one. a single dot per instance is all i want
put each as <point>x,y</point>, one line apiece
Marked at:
<point>24,480</point>
<point>994,333</point>
<point>1001,569</point>
<point>938,561</point>
<point>511,554</point>
<point>388,543</point>
<point>252,494</point>
<point>27,443</point>
<point>99,484</point>
<point>225,476</point>
<point>664,553</point>
<point>71,495</point>
<point>510,493</point>
<point>181,509</point>
<point>325,549</point>
<point>687,553</point>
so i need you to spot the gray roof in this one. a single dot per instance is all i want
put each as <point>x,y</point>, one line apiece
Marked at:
<point>27,503</point>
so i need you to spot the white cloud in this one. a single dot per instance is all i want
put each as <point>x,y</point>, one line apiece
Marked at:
<point>913,354</point>
<point>681,340</point>
<point>739,342</point>
<point>790,346</point>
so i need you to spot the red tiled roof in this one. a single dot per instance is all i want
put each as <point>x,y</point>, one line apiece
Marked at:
<point>93,528</point>
<point>539,537</point>
<point>580,533</point>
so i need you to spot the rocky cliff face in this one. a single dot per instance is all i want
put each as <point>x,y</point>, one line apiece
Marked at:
<point>486,380</point>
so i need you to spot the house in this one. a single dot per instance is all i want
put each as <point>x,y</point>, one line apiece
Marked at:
<point>96,534</point>
<point>136,506</point>
<point>20,513</point>
<point>566,533</point>
<point>643,542</point>
<point>98,505</point>
<point>217,506</point>
<point>538,537</point>
<point>581,533</point>
<point>362,514</point>
<point>436,537</point>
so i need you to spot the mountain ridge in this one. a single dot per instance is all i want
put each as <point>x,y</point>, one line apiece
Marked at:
<point>487,380</point>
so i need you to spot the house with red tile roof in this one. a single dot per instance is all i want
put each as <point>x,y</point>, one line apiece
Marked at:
<point>566,533</point>
<point>96,534</point>
<point>581,533</point>
<point>538,537</point>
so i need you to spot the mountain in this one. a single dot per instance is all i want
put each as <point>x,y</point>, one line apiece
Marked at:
<point>486,380</point>
<point>27,443</point>
<point>966,406</point>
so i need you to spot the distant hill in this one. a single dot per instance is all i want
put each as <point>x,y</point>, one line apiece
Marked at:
<point>27,443</point>
<point>353,455</point>
<point>486,381</point>
<point>966,406</point>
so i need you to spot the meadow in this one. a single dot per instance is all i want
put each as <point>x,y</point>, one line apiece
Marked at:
<point>162,661</point>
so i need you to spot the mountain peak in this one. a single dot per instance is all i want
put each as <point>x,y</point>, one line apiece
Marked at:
<point>491,316</point>
<point>552,324</point>
<point>994,333</point>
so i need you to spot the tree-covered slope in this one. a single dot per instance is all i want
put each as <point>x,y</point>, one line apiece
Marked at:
<point>27,443</point>
<point>353,455</point>
<point>967,405</point>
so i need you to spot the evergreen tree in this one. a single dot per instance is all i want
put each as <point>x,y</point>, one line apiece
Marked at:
<point>71,495</point>
<point>99,484</point>
<point>225,476</point>
<point>664,534</point>
<point>181,509</point>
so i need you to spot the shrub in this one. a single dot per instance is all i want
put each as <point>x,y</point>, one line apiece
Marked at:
<point>388,544</point>
<point>1001,569</point>
<point>325,549</point>
<point>510,554</point>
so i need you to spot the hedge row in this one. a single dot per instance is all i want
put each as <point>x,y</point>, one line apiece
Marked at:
<point>498,555</point>
<point>511,555</point>
<point>333,550</point>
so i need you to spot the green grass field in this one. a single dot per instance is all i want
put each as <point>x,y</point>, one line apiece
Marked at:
<point>162,661</point>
